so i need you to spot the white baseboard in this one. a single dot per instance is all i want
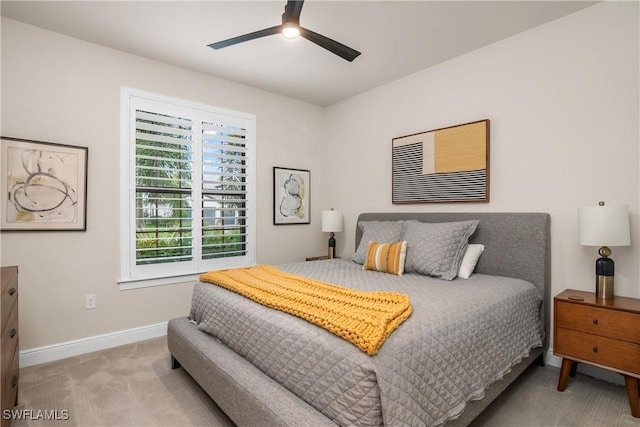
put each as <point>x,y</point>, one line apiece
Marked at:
<point>552,359</point>
<point>50,353</point>
<point>583,368</point>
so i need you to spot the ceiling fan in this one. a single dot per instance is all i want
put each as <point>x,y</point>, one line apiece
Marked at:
<point>291,28</point>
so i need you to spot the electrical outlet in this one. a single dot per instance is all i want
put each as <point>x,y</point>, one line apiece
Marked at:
<point>90,301</point>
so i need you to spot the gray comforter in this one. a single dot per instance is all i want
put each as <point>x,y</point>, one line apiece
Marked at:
<point>462,336</point>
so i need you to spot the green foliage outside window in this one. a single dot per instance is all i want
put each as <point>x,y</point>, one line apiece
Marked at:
<point>164,204</point>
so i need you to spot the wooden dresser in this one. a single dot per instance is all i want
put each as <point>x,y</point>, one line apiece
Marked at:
<point>9,341</point>
<point>600,332</point>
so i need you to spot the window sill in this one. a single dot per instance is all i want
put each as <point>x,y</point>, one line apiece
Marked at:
<point>128,284</point>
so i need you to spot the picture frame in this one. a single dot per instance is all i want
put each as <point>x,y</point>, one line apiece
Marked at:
<point>443,165</point>
<point>291,196</point>
<point>43,185</point>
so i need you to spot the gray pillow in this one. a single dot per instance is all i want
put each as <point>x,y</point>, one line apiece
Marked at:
<point>378,231</point>
<point>437,249</point>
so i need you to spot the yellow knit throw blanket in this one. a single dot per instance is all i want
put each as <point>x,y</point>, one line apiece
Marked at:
<point>364,318</point>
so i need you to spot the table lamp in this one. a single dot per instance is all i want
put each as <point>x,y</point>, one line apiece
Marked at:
<point>332,223</point>
<point>604,226</point>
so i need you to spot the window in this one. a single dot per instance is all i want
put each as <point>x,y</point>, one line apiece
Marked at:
<point>188,189</point>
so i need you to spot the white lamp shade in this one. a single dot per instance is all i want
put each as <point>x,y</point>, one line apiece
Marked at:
<point>604,226</point>
<point>331,221</point>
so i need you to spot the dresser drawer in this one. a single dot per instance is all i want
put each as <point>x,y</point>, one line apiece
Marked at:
<point>9,340</point>
<point>596,349</point>
<point>9,292</point>
<point>10,387</point>
<point>599,321</point>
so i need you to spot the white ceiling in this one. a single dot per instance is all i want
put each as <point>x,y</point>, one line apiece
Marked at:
<point>396,38</point>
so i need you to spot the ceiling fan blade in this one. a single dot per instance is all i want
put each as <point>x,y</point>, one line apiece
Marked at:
<point>250,36</point>
<point>292,11</point>
<point>331,45</point>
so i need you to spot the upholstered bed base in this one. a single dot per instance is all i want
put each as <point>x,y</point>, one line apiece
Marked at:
<point>250,398</point>
<point>516,245</point>
<point>244,393</point>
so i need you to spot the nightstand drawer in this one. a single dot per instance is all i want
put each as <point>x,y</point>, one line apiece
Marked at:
<point>599,321</point>
<point>596,349</point>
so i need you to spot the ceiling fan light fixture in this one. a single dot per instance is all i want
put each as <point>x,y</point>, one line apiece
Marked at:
<point>290,31</point>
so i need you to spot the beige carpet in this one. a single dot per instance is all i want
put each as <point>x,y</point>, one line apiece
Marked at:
<point>133,385</point>
<point>533,400</point>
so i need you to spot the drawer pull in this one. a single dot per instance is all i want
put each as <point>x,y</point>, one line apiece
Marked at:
<point>14,381</point>
<point>12,291</point>
<point>595,321</point>
<point>13,332</point>
<point>595,349</point>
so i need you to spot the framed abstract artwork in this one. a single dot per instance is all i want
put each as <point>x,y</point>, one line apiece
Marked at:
<point>291,196</point>
<point>443,165</point>
<point>44,186</point>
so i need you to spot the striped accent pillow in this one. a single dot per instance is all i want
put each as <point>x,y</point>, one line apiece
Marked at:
<point>386,257</point>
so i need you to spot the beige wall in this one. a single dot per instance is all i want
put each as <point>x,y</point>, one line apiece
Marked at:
<point>59,89</point>
<point>563,105</point>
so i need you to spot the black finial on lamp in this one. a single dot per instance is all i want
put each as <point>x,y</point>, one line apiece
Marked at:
<point>331,223</point>
<point>604,226</point>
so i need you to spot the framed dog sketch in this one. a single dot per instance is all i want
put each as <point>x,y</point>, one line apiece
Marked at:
<point>291,196</point>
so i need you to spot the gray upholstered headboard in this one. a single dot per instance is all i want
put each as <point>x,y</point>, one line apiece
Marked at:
<point>515,244</point>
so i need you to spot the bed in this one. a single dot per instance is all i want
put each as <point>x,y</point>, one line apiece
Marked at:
<point>265,367</point>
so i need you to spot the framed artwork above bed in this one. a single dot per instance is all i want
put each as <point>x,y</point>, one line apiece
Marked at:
<point>43,185</point>
<point>291,196</point>
<point>443,165</point>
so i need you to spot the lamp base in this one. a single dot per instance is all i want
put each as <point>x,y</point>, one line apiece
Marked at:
<point>332,246</point>
<point>605,268</point>
<point>332,252</point>
<point>604,287</point>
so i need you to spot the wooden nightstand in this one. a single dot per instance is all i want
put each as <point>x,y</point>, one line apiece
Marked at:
<point>316,258</point>
<point>600,332</point>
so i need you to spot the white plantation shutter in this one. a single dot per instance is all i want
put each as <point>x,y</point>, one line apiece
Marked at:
<point>163,183</point>
<point>224,190</point>
<point>190,198</point>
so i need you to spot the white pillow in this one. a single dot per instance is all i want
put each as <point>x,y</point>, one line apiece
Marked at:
<point>470,260</point>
